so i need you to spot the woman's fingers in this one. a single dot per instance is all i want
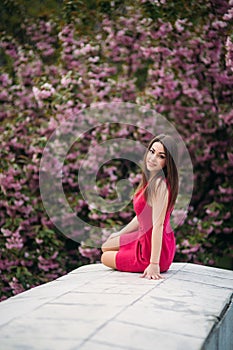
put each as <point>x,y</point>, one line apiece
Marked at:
<point>153,277</point>
<point>143,275</point>
<point>159,277</point>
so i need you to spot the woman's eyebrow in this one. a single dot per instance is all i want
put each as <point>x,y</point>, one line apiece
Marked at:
<point>159,152</point>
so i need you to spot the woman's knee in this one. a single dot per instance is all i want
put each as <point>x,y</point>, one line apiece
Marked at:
<point>108,258</point>
<point>104,247</point>
<point>102,257</point>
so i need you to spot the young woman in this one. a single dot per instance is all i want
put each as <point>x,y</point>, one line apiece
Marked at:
<point>147,243</point>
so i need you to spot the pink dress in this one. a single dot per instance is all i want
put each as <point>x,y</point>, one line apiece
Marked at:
<point>135,247</point>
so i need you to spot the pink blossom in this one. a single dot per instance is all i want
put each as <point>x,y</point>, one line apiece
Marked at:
<point>179,216</point>
<point>5,79</point>
<point>45,92</point>
<point>125,215</point>
<point>219,24</point>
<point>15,241</point>
<point>179,24</point>
<point>177,69</point>
<point>193,249</point>
<point>4,95</point>
<point>229,14</point>
<point>66,81</point>
<point>218,223</point>
<point>16,286</point>
<point>228,230</point>
<point>6,232</point>
<point>225,190</point>
<point>229,54</point>
<point>94,216</point>
<point>212,213</point>
<point>48,264</point>
<point>185,243</point>
<point>90,253</point>
<point>104,191</point>
<point>209,230</point>
<point>230,157</point>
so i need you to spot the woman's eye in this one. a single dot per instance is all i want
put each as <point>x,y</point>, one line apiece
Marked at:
<point>161,156</point>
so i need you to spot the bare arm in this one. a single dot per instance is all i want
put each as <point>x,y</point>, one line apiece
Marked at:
<point>159,208</point>
<point>130,227</point>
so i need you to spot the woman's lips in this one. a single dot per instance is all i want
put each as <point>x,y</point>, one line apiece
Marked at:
<point>151,164</point>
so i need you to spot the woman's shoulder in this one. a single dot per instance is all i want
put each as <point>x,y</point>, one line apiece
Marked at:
<point>161,182</point>
<point>160,188</point>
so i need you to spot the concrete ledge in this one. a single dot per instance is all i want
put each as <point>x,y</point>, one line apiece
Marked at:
<point>96,308</point>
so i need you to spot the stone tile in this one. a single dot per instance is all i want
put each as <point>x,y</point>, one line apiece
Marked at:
<point>208,270</point>
<point>166,320</point>
<point>83,277</point>
<point>205,279</point>
<point>199,305</point>
<point>180,287</point>
<point>131,336</point>
<point>91,268</point>
<point>11,309</point>
<point>26,328</point>
<point>129,278</point>
<point>190,296</point>
<point>30,300</point>
<point>97,308</point>
<point>176,266</point>
<point>49,290</point>
<point>39,344</point>
<point>107,287</point>
<point>72,312</point>
<point>107,300</point>
<point>94,345</point>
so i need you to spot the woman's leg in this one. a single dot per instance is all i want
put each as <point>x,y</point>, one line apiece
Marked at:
<point>111,244</point>
<point>110,249</point>
<point>108,258</point>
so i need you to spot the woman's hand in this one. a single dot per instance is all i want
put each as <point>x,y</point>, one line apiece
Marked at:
<point>152,272</point>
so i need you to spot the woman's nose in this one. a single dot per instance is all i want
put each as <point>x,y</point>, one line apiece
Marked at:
<point>154,155</point>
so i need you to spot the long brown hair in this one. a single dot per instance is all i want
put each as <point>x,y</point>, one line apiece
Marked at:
<point>169,172</point>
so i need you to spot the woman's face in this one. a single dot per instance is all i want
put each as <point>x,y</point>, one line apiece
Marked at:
<point>156,158</point>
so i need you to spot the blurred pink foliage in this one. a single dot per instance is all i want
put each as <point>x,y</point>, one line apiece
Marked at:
<point>180,69</point>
